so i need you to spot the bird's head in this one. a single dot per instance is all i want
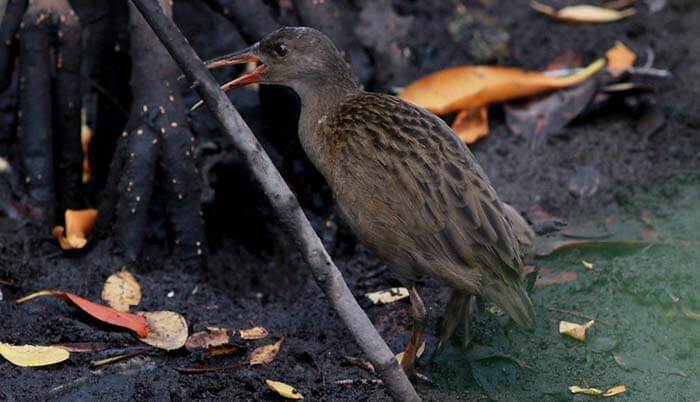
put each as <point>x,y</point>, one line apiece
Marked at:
<point>297,57</point>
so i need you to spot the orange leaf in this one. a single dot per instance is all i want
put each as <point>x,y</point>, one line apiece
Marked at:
<point>620,58</point>
<point>472,124</point>
<point>465,87</point>
<point>79,224</point>
<point>105,314</point>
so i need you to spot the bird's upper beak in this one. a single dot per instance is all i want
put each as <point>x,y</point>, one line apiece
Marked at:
<point>247,55</point>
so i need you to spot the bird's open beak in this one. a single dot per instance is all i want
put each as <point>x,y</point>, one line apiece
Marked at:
<point>240,57</point>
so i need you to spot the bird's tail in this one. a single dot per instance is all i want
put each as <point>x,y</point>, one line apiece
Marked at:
<point>513,300</point>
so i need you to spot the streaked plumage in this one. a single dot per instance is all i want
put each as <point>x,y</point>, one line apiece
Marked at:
<point>411,191</point>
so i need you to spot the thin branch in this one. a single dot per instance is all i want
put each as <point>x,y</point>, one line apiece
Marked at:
<point>327,275</point>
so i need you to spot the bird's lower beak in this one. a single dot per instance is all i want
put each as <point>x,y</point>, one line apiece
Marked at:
<point>240,57</point>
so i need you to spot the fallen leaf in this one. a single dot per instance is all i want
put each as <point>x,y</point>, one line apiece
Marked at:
<point>33,356</point>
<point>265,354</point>
<point>538,118</point>
<point>576,331</point>
<point>4,165</point>
<point>103,313</point>
<point>387,296</point>
<point>166,330</point>
<point>212,336</point>
<point>79,224</point>
<point>472,124</point>
<point>224,350</point>
<point>419,352</point>
<point>361,363</point>
<point>121,291</point>
<point>588,265</point>
<point>547,278</point>
<point>575,389</point>
<point>583,13</point>
<point>465,87</point>
<point>85,137</point>
<point>254,333</point>
<point>284,390</point>
<point>620,58</point>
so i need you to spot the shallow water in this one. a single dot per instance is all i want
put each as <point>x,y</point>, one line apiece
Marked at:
<point>640,338</point>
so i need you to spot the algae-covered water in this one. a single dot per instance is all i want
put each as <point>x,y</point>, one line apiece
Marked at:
<point>645,301</point>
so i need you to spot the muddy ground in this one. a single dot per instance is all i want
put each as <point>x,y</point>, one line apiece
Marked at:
<point>641,338</point>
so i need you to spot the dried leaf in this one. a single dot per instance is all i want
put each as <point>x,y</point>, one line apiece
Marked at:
<point>212,336</point>
<point>547,278</point>
<point>254,333</point>
<point>583,13</point>
<point>85,137</point>
<point>466,87</point>
<point>223,350</point>
<point>539,117</point>
<point>575,389</point>
<point>419,352</point>
<point>103,313</point>
<point>166,330</point>
<point>33,356</point>
<point>620,58</point>
<point>588,265</point>
<point>121,291</point>
<point>472,124</point>
<point>4,165</point>
<point>615,390</point>
<point>265,354</point>
<point>576,331</point>
<point>79,224</point>
<point>387,296</point>
<point>284,390</point>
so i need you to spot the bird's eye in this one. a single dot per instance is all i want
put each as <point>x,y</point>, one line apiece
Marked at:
<point>281,49</point>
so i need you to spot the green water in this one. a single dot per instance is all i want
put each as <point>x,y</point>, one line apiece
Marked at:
<point>629,292</point>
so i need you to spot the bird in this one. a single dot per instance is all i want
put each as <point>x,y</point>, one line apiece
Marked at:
<point>406,185</point>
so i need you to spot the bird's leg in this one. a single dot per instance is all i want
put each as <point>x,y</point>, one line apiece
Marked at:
<point>470,308</point>
<point>457,308</point>
<point>418,311</point>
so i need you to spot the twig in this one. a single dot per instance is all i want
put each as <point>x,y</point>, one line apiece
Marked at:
<point>650,71</point>
<point>574,313</point>
<point>203,370</point>
<point>326,274</point>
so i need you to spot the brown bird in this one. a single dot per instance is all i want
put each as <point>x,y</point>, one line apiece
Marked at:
<point>411,191</point>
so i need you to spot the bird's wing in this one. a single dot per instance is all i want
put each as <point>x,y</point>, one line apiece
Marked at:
<point>439,196</point>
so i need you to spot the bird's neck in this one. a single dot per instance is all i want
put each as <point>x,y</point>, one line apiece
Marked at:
<point>319,100</point>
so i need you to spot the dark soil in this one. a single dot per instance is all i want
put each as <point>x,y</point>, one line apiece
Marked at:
<point>254,276</point>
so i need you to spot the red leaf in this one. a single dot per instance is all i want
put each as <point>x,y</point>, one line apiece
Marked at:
<point>105,314</point>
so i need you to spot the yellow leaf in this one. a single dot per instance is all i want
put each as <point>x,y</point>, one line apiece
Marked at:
<point>265,354</point>
<point>575,389</point>
<point>615,390</point>
<point>576,331</point>
<point>79,224</point>
<point>121,291</point>
<point>620,58</point>
<point>166,330</point>
<point>387,296</point>
<point>472,124</point>
<point>33,356</point>
<point>583,13</point>
<point>587,264</point>
<point>254,333</point>
<point>284,390</point>
<point>465,87</point>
